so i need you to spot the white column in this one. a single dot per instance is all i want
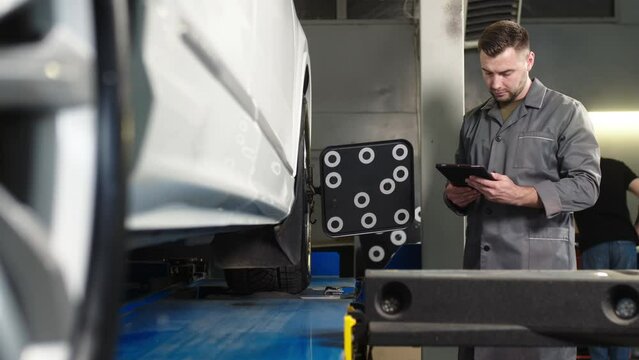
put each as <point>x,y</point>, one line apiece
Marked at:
<point>442,107</point>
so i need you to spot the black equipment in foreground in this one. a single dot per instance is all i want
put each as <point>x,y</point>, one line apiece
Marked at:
<point>496,308</point>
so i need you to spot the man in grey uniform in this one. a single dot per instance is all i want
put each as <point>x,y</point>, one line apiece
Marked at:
<point>540,148</point>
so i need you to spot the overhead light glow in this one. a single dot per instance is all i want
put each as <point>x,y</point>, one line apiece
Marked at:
<point>617,123</point>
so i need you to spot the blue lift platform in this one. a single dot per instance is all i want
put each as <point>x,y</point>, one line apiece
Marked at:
<point>205,321</point>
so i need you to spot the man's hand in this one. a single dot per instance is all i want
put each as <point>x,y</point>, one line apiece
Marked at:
<point>461,196</point>
<point>504,191</point>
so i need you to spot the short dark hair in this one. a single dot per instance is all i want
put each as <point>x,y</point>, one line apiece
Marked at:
<point>501,35</point>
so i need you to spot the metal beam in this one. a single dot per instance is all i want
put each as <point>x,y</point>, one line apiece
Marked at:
<point>502,308</point>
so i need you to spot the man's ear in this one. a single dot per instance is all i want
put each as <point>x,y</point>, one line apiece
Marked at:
<point>530,61</point>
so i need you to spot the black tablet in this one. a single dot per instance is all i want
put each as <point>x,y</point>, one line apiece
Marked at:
<point>457,173</point>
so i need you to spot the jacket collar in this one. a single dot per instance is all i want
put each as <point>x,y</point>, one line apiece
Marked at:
<point>534,98</point>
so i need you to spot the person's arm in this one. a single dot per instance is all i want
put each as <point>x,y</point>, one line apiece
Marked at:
<point>634,188</point>
<point>504,191</point>
<point>578,158</point>
<point>456,198</point>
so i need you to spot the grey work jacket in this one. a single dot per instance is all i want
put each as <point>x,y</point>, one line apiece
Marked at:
<point>547,143</point>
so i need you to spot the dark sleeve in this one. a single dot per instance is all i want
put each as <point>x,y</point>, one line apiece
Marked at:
<point>627,174</point>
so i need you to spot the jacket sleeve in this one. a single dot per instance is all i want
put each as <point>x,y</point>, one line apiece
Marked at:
<point>460,158</point>
<point>578,165</point>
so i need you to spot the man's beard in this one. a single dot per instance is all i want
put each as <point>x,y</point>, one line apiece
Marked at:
<point>507,101</point>
<point>512,95</point>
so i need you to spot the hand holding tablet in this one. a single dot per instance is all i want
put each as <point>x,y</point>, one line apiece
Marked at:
<point>458,173</point>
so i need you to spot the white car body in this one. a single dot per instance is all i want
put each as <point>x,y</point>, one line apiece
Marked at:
<point>220,144</point>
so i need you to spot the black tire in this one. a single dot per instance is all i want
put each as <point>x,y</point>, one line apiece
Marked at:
<point>292,279</point>
<point>248,281</point>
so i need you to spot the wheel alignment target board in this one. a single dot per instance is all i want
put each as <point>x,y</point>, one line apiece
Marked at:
<point>367,187</point>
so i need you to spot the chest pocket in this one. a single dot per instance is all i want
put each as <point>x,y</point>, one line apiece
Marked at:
<point>534,149</point>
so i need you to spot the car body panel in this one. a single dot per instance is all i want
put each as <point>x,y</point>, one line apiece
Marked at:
<point>226,84</point>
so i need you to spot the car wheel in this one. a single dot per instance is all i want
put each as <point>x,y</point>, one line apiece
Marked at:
<point>293,278</point>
